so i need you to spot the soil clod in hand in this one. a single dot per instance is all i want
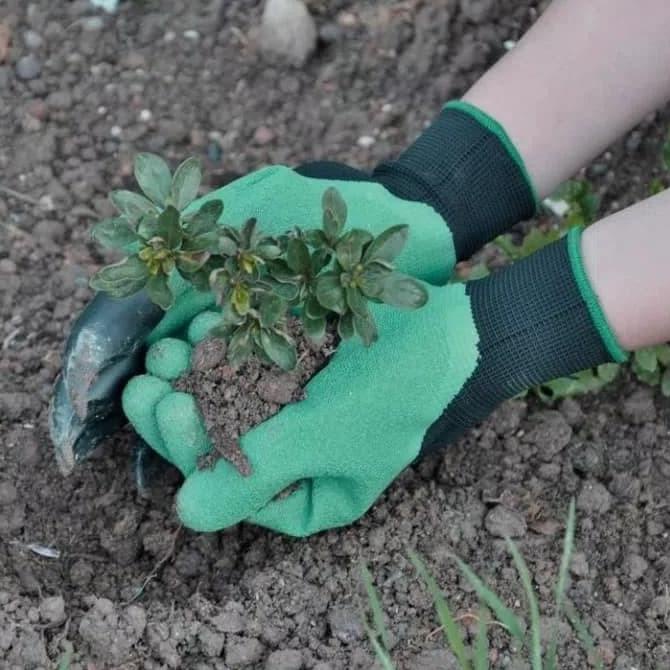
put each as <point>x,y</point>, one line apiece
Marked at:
<point>233,400</point>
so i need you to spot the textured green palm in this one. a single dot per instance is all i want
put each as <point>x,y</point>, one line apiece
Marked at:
<point>362,423</point>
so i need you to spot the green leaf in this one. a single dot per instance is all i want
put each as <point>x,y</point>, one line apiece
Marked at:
<point>280,348</point>
<point>663,354</point>
<point>280,271</point>
<point>356,301</point>
<point>268,251</point>
<point>334,213</point>
<point>159,291</point>
<point>375,607</point>
<point>204,242</point>
<point>114,233</point>
<point>241,298</point>
<point>665,383</point>
<point>503,613</point>
<point>315,328</point>
<point>608,372</point>
<point>373,280</point>
<point>330,293</point>
<point>131,205</point>
<point>313,309</point>
<point>403,291</point>
<point>191,262</point>
<point>284,290</point>
<point>480,656</point>
<point>666,154</point>
<point>568,544</point>
<point>168,228</point>
<point>535,634</point>
<point>271,309</point>
<point>185,183</point>
<point>297,257</point>
<point>349,249</point>
<point>387,245</point>
<point>452,632</point>
<point>320,259</point>
<point>248,234</point>
<point>227,246</point>
<point>205,219</point>
<point>147,226</point>
<point>645,360</point>
<point>345,326</point>
<point>366,328</point>
<point>583,635</point>
<point>315,238</point>
<point>121,279</point>
<point>153,176</point>
<point>240,346</point>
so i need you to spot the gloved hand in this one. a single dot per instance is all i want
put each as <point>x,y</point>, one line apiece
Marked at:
<point>458,186</point>
<point>369,413</point>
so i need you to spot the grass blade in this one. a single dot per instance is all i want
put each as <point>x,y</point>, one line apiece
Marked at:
<point>481,650</point>
<point>66,658</point>
<point>375,608</point>
<point>583,634</point>
<point>503,613</point>
<point>568,546</point>
<point>451,630</point>
<point>535,636</point>
<point>382,655</point>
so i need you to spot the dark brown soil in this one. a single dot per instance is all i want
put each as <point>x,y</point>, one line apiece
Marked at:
<point>235,399</point>
<point>88,561</point>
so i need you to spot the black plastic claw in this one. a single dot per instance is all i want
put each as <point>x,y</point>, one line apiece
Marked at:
<point>104,349</point>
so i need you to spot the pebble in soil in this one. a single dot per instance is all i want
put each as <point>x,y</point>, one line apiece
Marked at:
<point>234,399</point>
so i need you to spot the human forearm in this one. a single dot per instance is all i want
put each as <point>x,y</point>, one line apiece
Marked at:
<point>626,259</point>
<point>583,75</point>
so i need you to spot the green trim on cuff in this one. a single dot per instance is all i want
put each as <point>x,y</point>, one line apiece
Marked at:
<point>590,298</point>
<point>493,126</point>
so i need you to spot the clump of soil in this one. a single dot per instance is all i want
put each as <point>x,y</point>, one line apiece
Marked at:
<point>234,399</point>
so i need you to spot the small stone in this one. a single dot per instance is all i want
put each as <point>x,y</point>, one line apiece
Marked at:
<point>7,266</point>
<point>288,31</point>
<point>192,35</point>
<point>345,624</point>
<point>330,32</point>
<point>365,141</point>
<point>52,610</point>
<point>28,67</point>
<point>229,621</point>
<point>504,522</point>
<point>115,131</point>
<point>591,460</point>
<point>263,135</point>
<point>8,493</point>
<point>145,115</point>
<point>243,652</point>
<point>170,36</point>
<point>208,354</point>
<point>211,642</point>
<point>61,100</point>
<point>32,39</point>
<point>477,11</point>
<point>284,659</point>
<point>594,498</point>
<point>550,433</point>
<point>639,407</point>
<point>637,566</point>
<point>279,389</point>
<point>92,24</point>
<point>579,565</point>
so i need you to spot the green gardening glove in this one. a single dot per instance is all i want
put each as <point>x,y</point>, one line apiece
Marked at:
<point>369,413</point>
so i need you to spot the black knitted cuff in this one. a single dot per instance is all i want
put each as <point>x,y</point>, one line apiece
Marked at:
<point>467,169</point>
<point>534,325</point>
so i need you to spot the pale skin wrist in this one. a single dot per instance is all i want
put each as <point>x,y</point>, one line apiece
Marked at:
<point>582,76</point>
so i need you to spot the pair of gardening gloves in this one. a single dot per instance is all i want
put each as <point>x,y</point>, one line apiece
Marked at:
<point>433,373</point>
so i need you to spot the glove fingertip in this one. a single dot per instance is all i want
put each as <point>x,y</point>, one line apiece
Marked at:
<point>139,400</point>
<point>184,434</point>
<point>169,358</point>
<point>199,328</point>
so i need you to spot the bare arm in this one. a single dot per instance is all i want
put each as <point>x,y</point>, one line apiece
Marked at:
<point>582,76</point>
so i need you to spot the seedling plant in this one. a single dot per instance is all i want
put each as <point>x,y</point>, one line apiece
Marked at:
<point>327,276</point>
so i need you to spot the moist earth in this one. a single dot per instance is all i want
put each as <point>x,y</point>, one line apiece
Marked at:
<point>88,563</point>
<point>234,399</point>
